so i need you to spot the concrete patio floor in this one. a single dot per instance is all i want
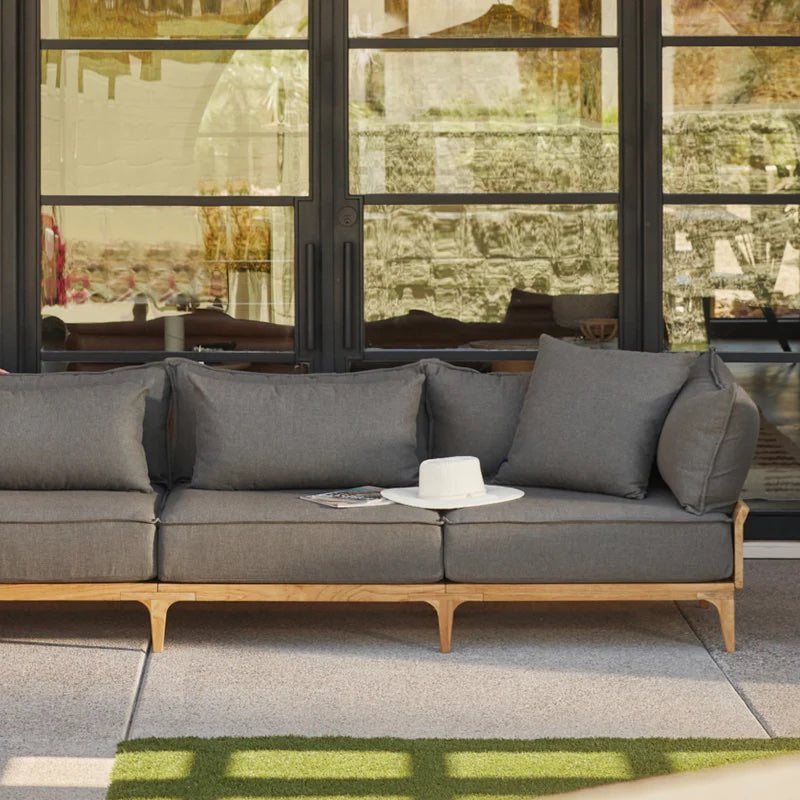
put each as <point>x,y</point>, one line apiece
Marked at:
<point>77,678</point>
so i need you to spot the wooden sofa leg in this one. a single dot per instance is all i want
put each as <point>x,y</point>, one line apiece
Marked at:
<point>726,608</point>
<point>445,609</point>
<point>158,607</point>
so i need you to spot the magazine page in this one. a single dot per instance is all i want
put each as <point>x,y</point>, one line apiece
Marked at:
<point>349,498</point>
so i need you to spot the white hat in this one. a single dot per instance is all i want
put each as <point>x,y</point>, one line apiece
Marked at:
<point>454,482</point>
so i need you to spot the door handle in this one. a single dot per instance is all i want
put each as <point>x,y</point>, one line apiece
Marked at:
<point>348,295</point>
<point>311,296</point>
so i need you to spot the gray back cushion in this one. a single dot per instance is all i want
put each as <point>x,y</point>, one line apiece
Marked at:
<point>72,437</point>
<point>183,442</point>
<point>473,413</point>
<point>708,439</point>
<point>153,377</point>
<point>304,433</point>
<point>591,418</point>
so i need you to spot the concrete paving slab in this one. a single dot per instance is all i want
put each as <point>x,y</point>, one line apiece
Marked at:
<point>516,670</point>
<point>68,679</point>
<point>765,669</point>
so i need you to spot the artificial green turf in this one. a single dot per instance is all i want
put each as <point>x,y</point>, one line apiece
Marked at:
<point>411,769</point>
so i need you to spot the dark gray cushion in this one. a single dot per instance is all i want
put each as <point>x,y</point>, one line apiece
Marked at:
<point>591,418</point>
<point>183,446</point>
<point>152,376</point>
<point>77,536</point>
<point>708,439</point>
<point>556,536</point>
<point>305,433</point>
<point>570,309</point>
<point>473,413</point>
<point>275,537</point>
<point>73,437</point>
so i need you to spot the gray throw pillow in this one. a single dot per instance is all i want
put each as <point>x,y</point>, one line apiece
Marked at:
<point>305,434</point>
<point>708,439</point>
<point>72,437</point>
<point>473,413</point>
<point>591,418</point>
<point>180,370</point>
<point>153,377</point>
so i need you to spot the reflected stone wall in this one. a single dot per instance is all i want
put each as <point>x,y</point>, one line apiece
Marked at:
<point>463,261</point>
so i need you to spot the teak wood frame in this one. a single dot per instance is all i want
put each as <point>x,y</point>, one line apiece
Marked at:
<point>444,597</point>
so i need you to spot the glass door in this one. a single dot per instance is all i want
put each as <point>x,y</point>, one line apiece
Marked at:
<point>304,184</point>
<point>174,151</point>
<point>484,148</point>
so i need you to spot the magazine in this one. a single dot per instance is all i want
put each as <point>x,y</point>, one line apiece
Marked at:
<point>349,498</point>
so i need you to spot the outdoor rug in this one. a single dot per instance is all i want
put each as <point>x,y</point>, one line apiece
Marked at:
<point>417,769</point>
<point>775,470</point>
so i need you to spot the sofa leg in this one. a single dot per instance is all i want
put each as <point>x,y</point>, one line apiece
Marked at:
<point>158,607</point>
<point>726,608</point>
<point>445,609</point>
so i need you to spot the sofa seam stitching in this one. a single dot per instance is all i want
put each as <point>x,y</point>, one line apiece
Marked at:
<point>713,460</point>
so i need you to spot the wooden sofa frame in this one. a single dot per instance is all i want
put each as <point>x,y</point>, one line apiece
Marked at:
<point>445,597</point>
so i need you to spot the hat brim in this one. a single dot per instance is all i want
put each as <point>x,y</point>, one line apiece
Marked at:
<point>409,496</point>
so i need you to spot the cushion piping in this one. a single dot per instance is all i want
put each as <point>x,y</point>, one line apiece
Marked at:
<point>713,460</point>
<point>162,524</point>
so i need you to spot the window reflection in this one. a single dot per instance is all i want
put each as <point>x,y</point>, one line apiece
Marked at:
<point>173,19</point>
<point>731,119</point>
<point>732,277</point>
<point>729,18</point>
<point>447,276</point>
<point>175,122</point>
<point>482,18</point>
<point>484,121</point>
<point>111,275</point>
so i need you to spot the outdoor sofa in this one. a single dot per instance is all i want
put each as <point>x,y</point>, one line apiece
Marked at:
<point>176,481</point>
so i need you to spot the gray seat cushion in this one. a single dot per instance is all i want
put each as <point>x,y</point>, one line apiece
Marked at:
<point>305,434</point>
<point>72,437</point>
<point>708,439</point>
<point>473,413</point>
<point>591,418</point>
<point>556,536</point>
<point>78,536</point>
<point>153,377</point>
<point>275,537</point>
<point>182,371</point>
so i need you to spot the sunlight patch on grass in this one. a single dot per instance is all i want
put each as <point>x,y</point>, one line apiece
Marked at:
<point>157,765</point>
<point>318,764</point>
<point>358,796</point>
<point>559,764</point>
<point>688,761</point>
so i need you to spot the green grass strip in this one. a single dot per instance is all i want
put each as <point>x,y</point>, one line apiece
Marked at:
<point>407,769</point>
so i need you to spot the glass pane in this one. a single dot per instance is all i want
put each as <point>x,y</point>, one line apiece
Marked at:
<point>114,276</point>
<point>482,18</point>
<point>732,277</point>
<point>731,120</point>
<point>730,18</point>
<point>483,121</point>
<point>174,19</point>
<point>175,122</point>
<point>493,276</point>
<point>775,471</point>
